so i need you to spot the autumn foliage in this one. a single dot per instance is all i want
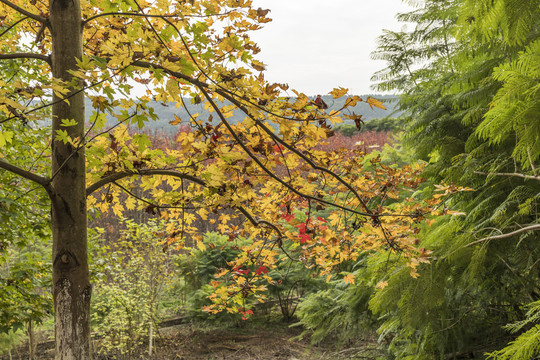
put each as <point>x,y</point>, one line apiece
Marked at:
<point>269,179</point>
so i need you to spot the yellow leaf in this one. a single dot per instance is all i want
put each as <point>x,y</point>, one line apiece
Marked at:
<point>351,101</point>
<point>201,246</point>
<point>130,203</point>
<point>176,120</point>
<point>382,284</point>
<point>257,65</point>
<point>338,92</point>
<point>374,102</point>
<point>5,137</point>
<point>118,209</point>
<point>203,213</point>
<point>349,279</point>
<point>222,273</point>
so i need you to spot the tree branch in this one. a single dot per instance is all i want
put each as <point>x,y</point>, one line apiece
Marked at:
<point>36,17</point>
<point>258,223</point>
<point>261,165</point>
<point>149,15</point>
<point>528,177</point>
<point>43,181</point>
<point>120,175</point>
<point>203,86</point>
<point>123,174</point>
<point>223,92</point>
<point>68,96</point>
<point>13,25</point>
<point>534,227</point>
<point>130,14</point>
<point>45,58</point>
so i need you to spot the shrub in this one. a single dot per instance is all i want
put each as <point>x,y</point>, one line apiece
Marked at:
<point>129,277</point>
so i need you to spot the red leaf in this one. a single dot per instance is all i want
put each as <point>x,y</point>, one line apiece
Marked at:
<point>261,270</point>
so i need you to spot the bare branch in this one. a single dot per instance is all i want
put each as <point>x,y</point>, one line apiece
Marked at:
<point>45,58</point>
<point>43,181</point>
<point>36,17</point>
<point>534,227</point>
<point>528,177</point>
<point>123,174</point>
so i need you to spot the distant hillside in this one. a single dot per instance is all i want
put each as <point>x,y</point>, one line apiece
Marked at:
<point>166,112</point>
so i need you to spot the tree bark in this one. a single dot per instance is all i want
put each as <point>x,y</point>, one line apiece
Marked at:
<point>71,282</point>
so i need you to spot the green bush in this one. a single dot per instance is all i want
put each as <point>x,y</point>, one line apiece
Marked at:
<point>129,277</point>
<point>198,268</point>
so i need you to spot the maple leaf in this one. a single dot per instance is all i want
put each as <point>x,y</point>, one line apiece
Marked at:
<point>257,65</point>
<point>261,270</point>
<point>176,120</point>
<point>374,102</point>
<point>262,12</point>
<point>352,101</point>
<point>319,102</point>
<point>349,279</point>
<point>338,92</point>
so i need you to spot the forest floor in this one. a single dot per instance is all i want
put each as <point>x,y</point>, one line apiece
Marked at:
<point>274,342</point>
<point>250,341</point>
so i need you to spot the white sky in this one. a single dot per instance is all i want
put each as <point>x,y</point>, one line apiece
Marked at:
<point>316,45</point>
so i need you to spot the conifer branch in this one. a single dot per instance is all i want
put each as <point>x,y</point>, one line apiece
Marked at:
<point>534,227</point>
<point>528,177</point>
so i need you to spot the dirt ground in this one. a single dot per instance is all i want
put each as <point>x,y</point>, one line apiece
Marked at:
<point>272,341</point>
<point>220,344</point>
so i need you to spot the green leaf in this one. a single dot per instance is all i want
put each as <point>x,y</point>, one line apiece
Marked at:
<point>5,137</point>
<point>69,122</point>
<point>62,135</point>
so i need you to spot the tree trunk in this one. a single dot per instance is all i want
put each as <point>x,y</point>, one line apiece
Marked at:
<point>71,282</point>
<point>31,341</point>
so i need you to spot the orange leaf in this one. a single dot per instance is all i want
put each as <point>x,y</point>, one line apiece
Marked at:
<point>338,92</point>
<point>349,279</point>
<point>176,120</point>
<point>374,102</point>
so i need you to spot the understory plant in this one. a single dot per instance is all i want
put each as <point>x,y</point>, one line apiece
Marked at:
<point>130,276</point>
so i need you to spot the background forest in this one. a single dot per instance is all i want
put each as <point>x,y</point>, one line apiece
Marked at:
<point>468,114</point>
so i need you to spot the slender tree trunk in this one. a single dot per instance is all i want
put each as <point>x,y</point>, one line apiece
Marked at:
<point>151,338</point>
<point>71,282</point>
<point>31,341</point>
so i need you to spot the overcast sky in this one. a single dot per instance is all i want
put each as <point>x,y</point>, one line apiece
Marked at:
<point>316,45</point>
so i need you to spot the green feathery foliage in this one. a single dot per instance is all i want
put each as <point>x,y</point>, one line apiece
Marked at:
<point>527,344</point>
